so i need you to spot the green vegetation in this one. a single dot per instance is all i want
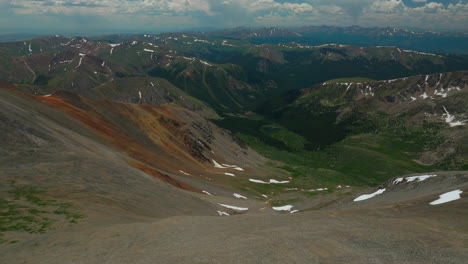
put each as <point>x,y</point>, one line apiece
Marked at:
<point>22,208</point>
<point>368,155</point>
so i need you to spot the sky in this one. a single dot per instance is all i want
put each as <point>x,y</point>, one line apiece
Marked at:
<point>151,16</point>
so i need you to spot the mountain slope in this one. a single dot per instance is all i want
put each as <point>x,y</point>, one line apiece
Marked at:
<point>229,75</point>
<point>361,132</point>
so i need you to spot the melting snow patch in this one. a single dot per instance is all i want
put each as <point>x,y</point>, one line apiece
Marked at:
<point>217,165</point>
<point>271,181</point>
<point>258,181</point>
<point>226,166</point>
<point>230,174</point>
<point>234,207</point>
<point>319,189</point>
<point>206,63</point>
<point>184,172</point>
<point>239,196</point>
<point>81,58</point>
<point>447,197</point>
<point>419,178</point>
<point>283,208</point>
<point>368,196</point>
<point>152,84</point>
<point>207,193</point>
<point>278,182</point>
<point>424,95</point>
<point>113,46</point>
<point>221,213</point>
<point>139,94</point>
<point>148,50</point>
<point>450,119</point>
<point>396,181</point>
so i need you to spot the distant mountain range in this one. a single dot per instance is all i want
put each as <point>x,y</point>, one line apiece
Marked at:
<point>427,41</point>
<point>228,75</point>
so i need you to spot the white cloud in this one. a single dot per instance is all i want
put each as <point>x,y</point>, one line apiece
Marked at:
<point>227,13</point>
<point>431,7</point>
<point>281,7</point>
<point>387,6</point>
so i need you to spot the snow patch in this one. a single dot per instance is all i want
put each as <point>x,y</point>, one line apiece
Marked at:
<point>270,181</point>
<point>419,178</point>
<point>183,172</point>
<point>368,196</point>
<point>206,63</point>
<point>113,46</point>
<point>397,181</point>
<point>317,190</point>
<point>207,193</point>
<point>148,50</point>
<point>283,208</point>
<point>230,174</point>
<point>234,207</point>
<point>278,182</point>
<point>447,197</point>
<point>450,119</point>
<point>221,213</point>
<point>81,58</point>
<point>226,166</point>
<point>239,196</point>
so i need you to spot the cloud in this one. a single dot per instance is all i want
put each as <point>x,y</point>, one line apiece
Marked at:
<point>431,7</point>
<point>354,8</point>
<point>157,14</point>
<point>225,13</point>
<point>388,6</point>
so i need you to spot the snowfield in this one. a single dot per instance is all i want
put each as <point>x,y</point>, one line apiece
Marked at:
<point>368,196</point>
<point>234,207</point>
<point>447,197</point>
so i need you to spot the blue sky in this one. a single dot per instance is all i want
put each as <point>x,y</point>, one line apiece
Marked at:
<point>94,16</point>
